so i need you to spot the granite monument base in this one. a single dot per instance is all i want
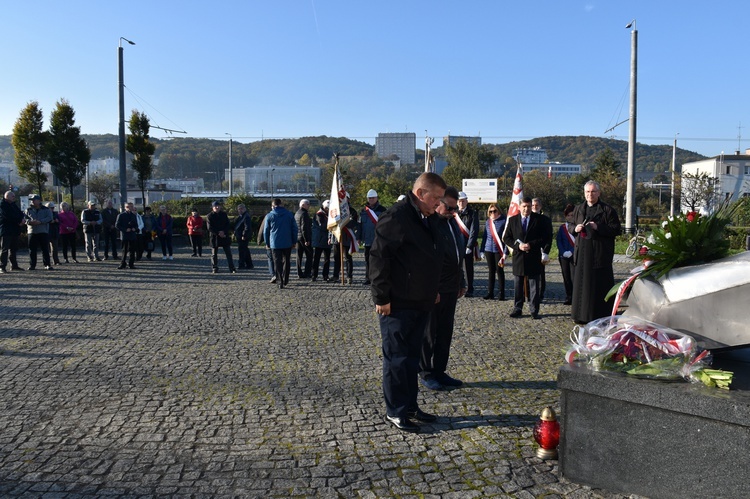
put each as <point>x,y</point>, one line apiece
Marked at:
<point>653,438</point>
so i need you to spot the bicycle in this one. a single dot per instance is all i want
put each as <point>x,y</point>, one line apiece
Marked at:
<point>636,243</point>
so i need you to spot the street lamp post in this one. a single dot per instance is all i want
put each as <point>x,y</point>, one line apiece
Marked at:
<point>674,165</point>
<point>630,194</point>
<point>230,163</point>
<point>121,89</point>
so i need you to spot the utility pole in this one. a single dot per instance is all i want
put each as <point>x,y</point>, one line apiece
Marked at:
<point>630,195</point>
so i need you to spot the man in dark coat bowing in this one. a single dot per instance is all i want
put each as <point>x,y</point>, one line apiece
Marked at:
<point>527,233</point>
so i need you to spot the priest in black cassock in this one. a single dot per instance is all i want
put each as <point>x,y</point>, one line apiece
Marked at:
<point>596,226</point>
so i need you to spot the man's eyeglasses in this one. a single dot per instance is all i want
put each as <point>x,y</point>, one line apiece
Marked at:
<point>449,208</point>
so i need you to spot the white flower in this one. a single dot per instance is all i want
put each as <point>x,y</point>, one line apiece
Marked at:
<point>664,223</point>
<point>668,235</point>
<point>671,218</point>
<point>651,239</point>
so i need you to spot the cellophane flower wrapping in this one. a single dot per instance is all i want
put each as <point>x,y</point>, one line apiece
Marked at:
<point>636,347</point>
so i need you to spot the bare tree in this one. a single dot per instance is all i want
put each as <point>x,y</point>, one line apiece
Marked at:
<point>698,191</point>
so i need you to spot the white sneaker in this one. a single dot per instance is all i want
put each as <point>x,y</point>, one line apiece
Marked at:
<point>171,258</point>
<point>164,258</point>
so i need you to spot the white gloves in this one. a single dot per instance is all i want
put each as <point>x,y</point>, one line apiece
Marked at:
<point>545,258</point>
<point>481,255</point>
<point>468,251</point>
<point>567,254</point>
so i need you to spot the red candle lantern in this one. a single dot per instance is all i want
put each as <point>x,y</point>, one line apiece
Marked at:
<point>547,434</point>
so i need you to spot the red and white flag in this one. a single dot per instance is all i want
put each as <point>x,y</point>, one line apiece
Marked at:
<point>338,209</point>
<point>549,172</point>
<point>515,199</point>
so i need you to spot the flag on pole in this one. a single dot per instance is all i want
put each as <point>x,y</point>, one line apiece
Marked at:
<point>549,172</point>
<point>515,199</point>
<point>338,209</point>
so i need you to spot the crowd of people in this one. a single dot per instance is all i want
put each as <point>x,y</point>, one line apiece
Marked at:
<point>419,261</point>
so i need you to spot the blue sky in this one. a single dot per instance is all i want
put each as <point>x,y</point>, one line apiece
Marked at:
<point>505,70</point>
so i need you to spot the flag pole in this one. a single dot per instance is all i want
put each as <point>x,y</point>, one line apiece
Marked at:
<point>341,252</point>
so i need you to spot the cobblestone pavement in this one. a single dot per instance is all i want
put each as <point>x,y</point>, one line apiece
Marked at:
<point>167,380</point>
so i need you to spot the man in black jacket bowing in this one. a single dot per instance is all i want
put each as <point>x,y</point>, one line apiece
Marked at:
<point>405,262</point>
<point>526,233</point>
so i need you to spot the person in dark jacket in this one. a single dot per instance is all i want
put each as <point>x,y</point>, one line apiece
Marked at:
<point>11,222</point>
<point>321,241</point>
<point>243,230</point>
<point>596,226</point>
<point>91,219</point>
<point>439,332</point>
<point>536,207</point>
<point>405,263</point>
<point>109,230</point>
<point>38,218</point>
<point>349,246</point>
<point>304,239</point>
<point>217,223</point>
<point>127,223</point>
<point>526,233</point>
<point>565,246</point>
<point>54,234</point>
<point>164,233</point>
<point>368,218</point>
<point>469,226</point>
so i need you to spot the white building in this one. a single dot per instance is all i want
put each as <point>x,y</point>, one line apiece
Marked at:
<point>731,171</point>
<point>535,158</point>
<point>185,185</point>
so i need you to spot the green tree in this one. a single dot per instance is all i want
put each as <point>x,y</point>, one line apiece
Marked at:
<point>29,142</point>
<point>102,187</point>
<point>470,160</point>
<point>141,148</point>
<point>67,152</point>
<point>606,166</point>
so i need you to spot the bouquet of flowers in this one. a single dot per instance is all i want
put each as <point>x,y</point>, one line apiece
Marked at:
<point>641,348</point>
<point>682,240</point>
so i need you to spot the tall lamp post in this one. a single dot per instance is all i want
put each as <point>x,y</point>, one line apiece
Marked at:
<point>674,165</point>
<point>630,195</point>
<point>230,163</point>
<point>121,89</point>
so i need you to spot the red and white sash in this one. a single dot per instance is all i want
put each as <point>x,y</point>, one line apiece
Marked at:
<point>569,235</point>
<point>461,225</point>
<point>372,215</point>
<point>498,242</point>
<point>353,243</point>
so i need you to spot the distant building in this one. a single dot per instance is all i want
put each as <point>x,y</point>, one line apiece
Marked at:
<point>261,180</point>
<point>403,145</point>
<point>106,166</point>
<point>535,158</point>
<point>185,185</point>
<point>732,172</point>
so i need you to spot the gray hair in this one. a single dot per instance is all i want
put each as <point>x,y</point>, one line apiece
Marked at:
<point>304,202</point>
<point>594,183</point>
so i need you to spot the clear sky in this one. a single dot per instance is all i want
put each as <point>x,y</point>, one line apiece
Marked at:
<point>505,70</point>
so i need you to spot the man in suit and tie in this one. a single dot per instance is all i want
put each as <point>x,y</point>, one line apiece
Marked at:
<point>526,234</point>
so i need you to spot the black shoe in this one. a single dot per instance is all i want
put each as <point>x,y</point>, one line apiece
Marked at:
<point>194,255</point>
<point>31,268</point>
<point>106,257</point>
<point>469,294</point>
<point>535,316</point>
<point>16,268</point>
<point>215,271</point>
<point>47,267</point>
<point>501,298</point>
<point>98,259</point>
<point>233,271</point>
<point>402,424</point>
<point>367,282</point>
<point>281,285</point>
<point>422,416</point>
<point>489,297</point>
<point>66,261</point>
<point>515,313</point>
<point>75,261</point>
<point>114,257</point>
<point>431,383</point>
<point>131,266</point>
<point>273,280</point>
<point>3,271</point>
<point>446,380</point>
<point>314,279</point>
<point>568,302</point>
<point>121,267</point>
